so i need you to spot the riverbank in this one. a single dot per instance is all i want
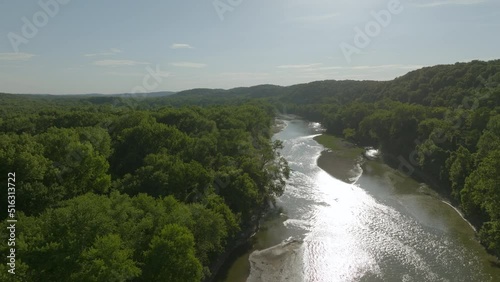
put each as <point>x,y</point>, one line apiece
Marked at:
<point>377,229</point>
<point>277,263</point>
<point>278,126</point>
<point>344,160</point>
<point>243,240</point>
<point>341,159</point>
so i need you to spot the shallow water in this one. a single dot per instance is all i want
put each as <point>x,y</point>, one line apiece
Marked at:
<point>381,228</point>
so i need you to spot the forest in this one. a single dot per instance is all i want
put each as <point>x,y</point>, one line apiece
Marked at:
<point>111,193</point>
<point>108,186</point>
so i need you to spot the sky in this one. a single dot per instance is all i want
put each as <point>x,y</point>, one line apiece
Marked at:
<point>77,47</point>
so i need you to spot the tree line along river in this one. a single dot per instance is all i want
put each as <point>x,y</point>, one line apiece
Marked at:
<point>348,221</point>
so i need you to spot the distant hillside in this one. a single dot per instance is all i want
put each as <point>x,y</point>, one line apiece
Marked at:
<point>437,85</point>
<point>113,98</point>
<point>441,123</point>
<point>259,91</point>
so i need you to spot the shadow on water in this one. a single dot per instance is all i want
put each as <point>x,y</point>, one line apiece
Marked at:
<point>494,263</point>
<point>244,250</point>
<point>237,253</point>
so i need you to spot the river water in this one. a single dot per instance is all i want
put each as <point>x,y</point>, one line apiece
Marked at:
<point>378,228</point>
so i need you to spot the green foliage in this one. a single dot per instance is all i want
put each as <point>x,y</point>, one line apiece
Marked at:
<point>460,165</point>
<point>163,174</point>
<point>349,134</point>
<point>115,189</point>
<point>482,187</point>
<point>490,236</point>
<point>121,238</point>
<point>113,194</point>
<point>107,260</point>
<point>135,143</point>
<point>171,256</point>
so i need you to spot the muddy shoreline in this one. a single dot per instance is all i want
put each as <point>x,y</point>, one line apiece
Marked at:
<point>277,263</point>
<point>274,258</point>
<point>243,240</point>
<point>341,159</point>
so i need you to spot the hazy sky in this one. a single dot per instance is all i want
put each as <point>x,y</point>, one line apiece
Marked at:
<point>63,46</point>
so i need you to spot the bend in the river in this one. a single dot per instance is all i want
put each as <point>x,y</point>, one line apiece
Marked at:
<point>375,229</point>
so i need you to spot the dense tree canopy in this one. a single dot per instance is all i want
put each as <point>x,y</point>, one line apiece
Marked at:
<point>110,193</point>
<point>125,189</point>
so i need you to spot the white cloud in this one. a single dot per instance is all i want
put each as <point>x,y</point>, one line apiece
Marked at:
<point>181,46</point>
<point>137,74</point>
<point>360,72</point>
<point>15,56</point>
<point>449,2</point>
<point>318,69</point>
<point>406,67</point>
<point>123,73</point>
<point>324,68</point>
<point>110,52</point>
<point>298,66</point>
<point>243,75</point>
<point>118,63</point>
<point>367,67</point>
<point>188,65</point>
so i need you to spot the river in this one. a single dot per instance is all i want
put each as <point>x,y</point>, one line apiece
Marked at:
<point>373,229</point>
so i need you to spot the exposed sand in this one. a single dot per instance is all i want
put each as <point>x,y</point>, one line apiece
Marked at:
<point>344,169</point>
<point>278,126</point>
<point>341,159</point>
<point>278,263</point>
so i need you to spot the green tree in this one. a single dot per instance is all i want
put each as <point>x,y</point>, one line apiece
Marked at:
<point>481,196</point>
<point>171,257</point>
<point>460,166</point>
<point>107,260</point>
